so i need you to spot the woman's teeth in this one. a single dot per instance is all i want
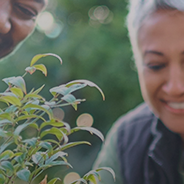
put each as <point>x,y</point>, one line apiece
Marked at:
<point>176,105</point>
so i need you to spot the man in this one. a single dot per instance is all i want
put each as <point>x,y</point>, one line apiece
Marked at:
<point>17,21</point>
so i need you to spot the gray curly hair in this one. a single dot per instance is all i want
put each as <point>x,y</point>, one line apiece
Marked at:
<point>139,10</point>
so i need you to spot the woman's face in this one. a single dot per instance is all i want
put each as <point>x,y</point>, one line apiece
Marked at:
<point>161,73</point>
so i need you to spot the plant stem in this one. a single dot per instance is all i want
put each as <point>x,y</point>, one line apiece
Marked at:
<point>24,74</point>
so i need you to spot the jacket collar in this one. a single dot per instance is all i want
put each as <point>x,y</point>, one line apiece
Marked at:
<point>165,149</point>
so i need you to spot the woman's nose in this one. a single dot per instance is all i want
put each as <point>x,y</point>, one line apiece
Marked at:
<point>5,23</point>
<point>174,86</point>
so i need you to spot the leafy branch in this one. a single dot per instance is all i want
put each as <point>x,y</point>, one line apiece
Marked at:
<point>30,157</point>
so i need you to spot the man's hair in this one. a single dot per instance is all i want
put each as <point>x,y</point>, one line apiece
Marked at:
<point>139,10</point>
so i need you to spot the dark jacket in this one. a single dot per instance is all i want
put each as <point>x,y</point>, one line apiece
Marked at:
<point>147,149</point>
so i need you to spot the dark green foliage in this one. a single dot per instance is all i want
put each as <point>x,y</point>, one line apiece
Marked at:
<point>100,53</point>
<point>30,157</point>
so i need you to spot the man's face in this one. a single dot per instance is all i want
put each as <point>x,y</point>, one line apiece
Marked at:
<point>17,21</point>
<point>161,75</point>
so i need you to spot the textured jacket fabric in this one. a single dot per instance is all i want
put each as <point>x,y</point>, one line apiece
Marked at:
<point>148,152</point>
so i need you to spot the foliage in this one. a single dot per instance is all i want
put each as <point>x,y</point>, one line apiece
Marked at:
<point>26,158</point>
<point>93,176</point>
<point>100,53</point>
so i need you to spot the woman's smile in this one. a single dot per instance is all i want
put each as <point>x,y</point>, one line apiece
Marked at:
<point>174,107</point>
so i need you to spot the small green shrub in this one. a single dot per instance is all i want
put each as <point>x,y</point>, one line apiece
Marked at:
<point>27,158</point>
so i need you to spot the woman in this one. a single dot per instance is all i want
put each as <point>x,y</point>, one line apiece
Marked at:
<point>145,145</point>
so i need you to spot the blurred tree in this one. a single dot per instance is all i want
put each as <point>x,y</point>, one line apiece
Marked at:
<point>91,37</point>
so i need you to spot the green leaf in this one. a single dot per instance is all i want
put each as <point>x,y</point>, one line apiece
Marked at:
<point>8,154</point>
<point>55,163</point>
<point>2,179</point>
<point>91,130</point>
<point>38,90</point>
<point>7,80</point>
<point>5,122</point>
<point>7,165</point>
<point>20,128</point>
<point>107,169</point>
<point>18,82</point>
<point>55,156</point>
<point>5,116</point>
<point>39,56</point>
<point>34,125</point>
<point>96,174</point>
<point>46,145</point>
<point>80,180</point>
<point>33,101</point>
<point>71,100</point>
<point>92,176</point>
<point>24,174</point>
<point>75,105</point>
<point>38,107</point>
<point>24,117</point>
<point>89,83</point>
<point>53,123</point>
<point>31,142</point>
<point>3,133</point>
<point>42,68</point>
<point>8,94</point>
<point>48,108</point>
<point>38,158</point>
<point>28,164</point>
<point>20,158</point>
<point>4,146</point>
<point>92,179</point>
<point>67,127</point>
<point>53,141</point>
<point>18,154</point>
<point>11,99</point>
<point>54,180</point>
<point>64,133</point>
<point>11,109</point>
<point>72,144</point>
<point>17,91</point>
<point>33,96</point>
<point>50,104</point>
<point>75,87</point>
<point>62,89</point>
<point>55,131</point>
<point>30,69</point>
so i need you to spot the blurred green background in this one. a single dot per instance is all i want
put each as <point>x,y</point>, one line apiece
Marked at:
<point>91,38</point>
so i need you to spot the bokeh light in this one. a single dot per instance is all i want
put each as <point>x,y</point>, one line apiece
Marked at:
<point>47,24</point>
<point>58,113</point>
<point>100,15</point>
<point>45,21</point>
<point>85,120</point>
<point>70,177</point>
<point>101,12</point>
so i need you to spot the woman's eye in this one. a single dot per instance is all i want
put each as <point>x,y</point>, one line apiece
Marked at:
<point>26,12</point>
<point>156,67</point>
